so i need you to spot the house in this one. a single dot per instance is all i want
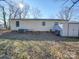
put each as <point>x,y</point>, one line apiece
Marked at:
<point>71,29</point>
<point>35,24</point>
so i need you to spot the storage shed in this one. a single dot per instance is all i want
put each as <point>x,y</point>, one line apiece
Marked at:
<point>71,29</point>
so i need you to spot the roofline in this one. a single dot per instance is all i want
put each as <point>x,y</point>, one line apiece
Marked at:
<point>74,23</point>
<point>43,19</point>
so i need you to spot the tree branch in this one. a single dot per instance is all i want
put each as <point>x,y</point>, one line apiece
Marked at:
<point>65,2</point>
<point>73,4</point>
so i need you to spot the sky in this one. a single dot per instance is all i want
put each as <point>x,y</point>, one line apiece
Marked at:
<point>51,8</point>
<point>48,8</point>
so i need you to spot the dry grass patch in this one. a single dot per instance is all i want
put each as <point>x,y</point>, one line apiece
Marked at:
<point>18,49</point>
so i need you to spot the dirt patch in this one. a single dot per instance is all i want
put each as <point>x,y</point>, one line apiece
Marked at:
<point>29,35</point>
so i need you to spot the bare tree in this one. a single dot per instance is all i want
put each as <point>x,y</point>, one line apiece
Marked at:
<point>66,14</point>
<point>20,13</point>
<point>11,9</point>
<point>4,16</point>
<point>74,2</point>
<point>36,13</point>
<point>26,10</point>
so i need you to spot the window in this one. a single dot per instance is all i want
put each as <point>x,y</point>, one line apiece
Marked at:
<point>56,23</point>
<point>17,23</point>
<point>43,23</point>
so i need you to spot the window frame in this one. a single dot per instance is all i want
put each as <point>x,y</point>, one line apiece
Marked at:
<point>17,24</point>
<point>43,23</point>
<point>56,23</point>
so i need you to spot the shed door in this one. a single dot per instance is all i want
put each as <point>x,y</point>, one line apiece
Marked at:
<point>73,30</point>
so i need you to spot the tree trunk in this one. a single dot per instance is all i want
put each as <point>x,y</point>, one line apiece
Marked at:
<point>5,26</point>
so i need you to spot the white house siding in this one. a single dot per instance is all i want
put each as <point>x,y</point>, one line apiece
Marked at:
<point>33,25</point>
<point>65,29</point>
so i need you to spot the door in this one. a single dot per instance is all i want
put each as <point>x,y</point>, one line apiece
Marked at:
<point>73,30</point>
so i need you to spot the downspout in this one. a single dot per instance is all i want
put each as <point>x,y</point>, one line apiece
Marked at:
<point>9,21</point>
<point>68,30</point>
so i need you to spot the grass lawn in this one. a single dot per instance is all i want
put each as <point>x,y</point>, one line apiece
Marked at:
<point>23,49</point>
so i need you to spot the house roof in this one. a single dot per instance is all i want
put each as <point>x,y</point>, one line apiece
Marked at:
<point>43,19</point>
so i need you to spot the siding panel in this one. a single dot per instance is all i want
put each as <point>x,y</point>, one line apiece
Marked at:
<point>33,25</point>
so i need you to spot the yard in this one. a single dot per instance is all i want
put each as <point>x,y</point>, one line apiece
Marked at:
<point>15,45</point>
